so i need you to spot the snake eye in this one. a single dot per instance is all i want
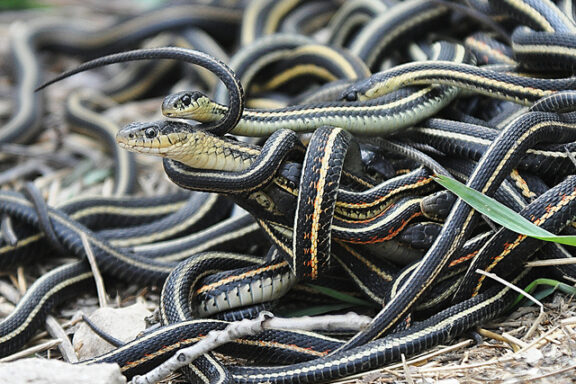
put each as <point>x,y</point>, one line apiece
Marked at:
<point>186,100</point>
<point>150,133</point>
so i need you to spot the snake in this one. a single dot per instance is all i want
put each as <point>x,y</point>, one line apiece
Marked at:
<point>331,201</point>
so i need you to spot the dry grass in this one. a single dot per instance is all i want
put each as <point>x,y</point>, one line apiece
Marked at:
<point>549,356</point>
<point>505,354</point>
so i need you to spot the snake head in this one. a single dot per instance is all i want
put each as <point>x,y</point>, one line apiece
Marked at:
<point>182,142</point>
<point>191,105</point>
<point>137,135</point>
<point>356,92</point>
<point>350,95</point>
<point>156,138</point>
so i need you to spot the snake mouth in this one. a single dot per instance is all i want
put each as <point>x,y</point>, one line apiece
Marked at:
<point>163,139</point>
<point>139,147</point>
<point>140,137</point>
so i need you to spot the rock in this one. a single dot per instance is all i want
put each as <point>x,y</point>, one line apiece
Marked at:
<point>42,371</point>
<point>122,323</point>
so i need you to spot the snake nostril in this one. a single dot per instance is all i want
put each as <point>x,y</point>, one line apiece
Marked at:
<point>130,135</point>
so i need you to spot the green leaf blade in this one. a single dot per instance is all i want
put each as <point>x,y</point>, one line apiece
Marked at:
<point>500,213</point>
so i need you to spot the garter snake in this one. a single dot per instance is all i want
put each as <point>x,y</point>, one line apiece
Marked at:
<point>325,209</point>
<point>224,73</point>
<point>308,18</point>
<point>248,61</point>
<point>57,285</point>
<point>134,359</point>
<point>124,222</point>
<point>502,154</point>
<point>237,168</point>
<point>236,234</point>
<point>488,50</point>
<point>544,50</point>
<point>552,211</point>
<point>539,15</point>
<point>83,110</point>
<point>98,214</point>
<point>537,127</point>
<point>319,61</point>
<point>383,115</point>
<point>507,86</point>
<point>27,39</point>
<point>264,18</point>
<point>460,139</point>
<point>386,115</point>
<point>317,193</point>
<point>350,17</point>
<point>389,29</point>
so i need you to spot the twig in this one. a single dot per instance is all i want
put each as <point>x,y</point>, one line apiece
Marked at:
<point>244,328</point>
<point>570,336</point>
<point>67,324</point>
<point>53,191</point>
<point>66,349</point>
<point>513,340</point>
<point>568,321</point>
<point>14,281</point>
<point>540,339</point>
<point>496,336</point>
<point>445,369</point>
<point>380,370</point>
<point>550,262</point>
<point>520,291</point>
<point>9,292</point>
<point>37,153</point>
<point>212,340</point>
<point>570,368</point>
<point>570,156</point>
<point>413,361</point>
<point>407,372</point>
<point>22,286</point>
<point>32,350</point>
<point>94,266</point>
<point>350,321</point>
